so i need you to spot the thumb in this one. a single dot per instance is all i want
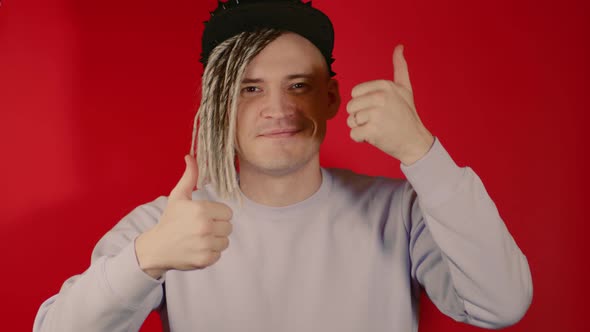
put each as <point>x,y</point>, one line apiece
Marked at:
<point>187,183</point>
<point>401,73</point>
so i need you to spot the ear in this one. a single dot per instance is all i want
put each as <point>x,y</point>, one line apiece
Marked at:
<point>333,98</point>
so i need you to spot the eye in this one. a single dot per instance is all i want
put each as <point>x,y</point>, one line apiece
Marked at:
<point>250,89</point>
<point>299,85</point>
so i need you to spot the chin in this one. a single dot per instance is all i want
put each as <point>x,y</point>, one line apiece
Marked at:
<point>275,163</point>
<point>280,157</point>
<point>279,167</point>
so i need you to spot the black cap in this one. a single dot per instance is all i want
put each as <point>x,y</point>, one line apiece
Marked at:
<point>236,16</point>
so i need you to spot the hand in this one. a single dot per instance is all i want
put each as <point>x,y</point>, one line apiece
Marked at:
<point>190,234</point>
<point>382,113</point>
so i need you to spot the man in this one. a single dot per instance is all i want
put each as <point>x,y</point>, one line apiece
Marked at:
<point>287,245</point>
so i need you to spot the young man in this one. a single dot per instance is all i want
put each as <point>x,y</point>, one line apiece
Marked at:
<point>288,245</point>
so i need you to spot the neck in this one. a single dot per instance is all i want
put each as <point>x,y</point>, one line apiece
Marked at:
<point>281,190</point>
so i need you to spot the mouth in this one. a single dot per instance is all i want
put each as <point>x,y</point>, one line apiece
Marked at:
<point>280,132</point>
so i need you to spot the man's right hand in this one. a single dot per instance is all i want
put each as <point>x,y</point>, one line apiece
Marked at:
<point>190,234</point>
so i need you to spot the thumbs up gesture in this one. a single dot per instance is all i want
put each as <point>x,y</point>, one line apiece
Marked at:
<point>382,113</point>
<point>190,234</point>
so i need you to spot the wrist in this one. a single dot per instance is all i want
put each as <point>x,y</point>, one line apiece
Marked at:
<point>418,150</point>
<point>144,259</point>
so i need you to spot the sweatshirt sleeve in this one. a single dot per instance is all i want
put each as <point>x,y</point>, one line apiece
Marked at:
<point>460,249</point>
<point>113,294</point>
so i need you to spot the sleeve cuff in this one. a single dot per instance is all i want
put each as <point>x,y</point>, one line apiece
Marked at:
<point>435,176</point>
<point>126,280</point>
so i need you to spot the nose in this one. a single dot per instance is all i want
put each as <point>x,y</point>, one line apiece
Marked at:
<point>278,104</point>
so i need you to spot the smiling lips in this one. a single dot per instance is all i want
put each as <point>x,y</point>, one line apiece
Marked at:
<point>280,132</point>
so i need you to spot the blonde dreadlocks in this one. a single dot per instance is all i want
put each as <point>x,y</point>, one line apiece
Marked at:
<point>216,115</point>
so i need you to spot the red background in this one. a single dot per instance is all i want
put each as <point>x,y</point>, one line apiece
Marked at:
<point>97,100</point>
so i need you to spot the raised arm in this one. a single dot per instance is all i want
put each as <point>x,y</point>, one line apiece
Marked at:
<point>124,281</point>
<point>461,251</point>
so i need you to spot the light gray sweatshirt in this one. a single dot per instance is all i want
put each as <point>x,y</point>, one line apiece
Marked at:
<point>352,257</point>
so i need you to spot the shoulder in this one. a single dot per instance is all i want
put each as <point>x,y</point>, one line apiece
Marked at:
<point>135,222</point>
<point>380,200</point>
<point>349,181</point>
<point>148,214</point>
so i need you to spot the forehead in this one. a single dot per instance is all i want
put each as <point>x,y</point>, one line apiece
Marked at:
<point>289,54</point>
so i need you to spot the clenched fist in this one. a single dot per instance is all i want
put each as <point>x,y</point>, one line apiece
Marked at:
<point>190,234</point>
<point>382,113</point>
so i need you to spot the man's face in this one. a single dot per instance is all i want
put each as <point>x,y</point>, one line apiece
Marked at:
<point>286,98</point>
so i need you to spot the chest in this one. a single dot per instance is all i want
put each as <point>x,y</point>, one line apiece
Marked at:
<point>327,272</point>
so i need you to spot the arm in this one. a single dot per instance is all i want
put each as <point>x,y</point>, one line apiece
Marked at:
<point>113,294</point>
<point>461,250</point>
<point>123,283</point>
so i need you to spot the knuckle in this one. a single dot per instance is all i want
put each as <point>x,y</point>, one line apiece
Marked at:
<point>204,229</point>
<point>198,209</point>
<point>379,98</point>
<point>230,212</point>
<point>350,106</point>
<point>363,118</point>
<point>350,121</point>
<point>212,257</point>
<point>225,243</point>
<point>384,84</point>
<point>221,210</point>
<point>204,259</point>
<point>375,99</point>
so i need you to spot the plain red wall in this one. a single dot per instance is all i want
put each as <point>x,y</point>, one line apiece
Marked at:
<point>97,100</point>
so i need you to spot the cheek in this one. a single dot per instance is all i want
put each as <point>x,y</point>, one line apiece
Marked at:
<point>315,108</point>
<point>315,111</point>
<point>245,121</point>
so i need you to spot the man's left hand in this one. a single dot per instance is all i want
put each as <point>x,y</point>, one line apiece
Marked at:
<point>382,113</point>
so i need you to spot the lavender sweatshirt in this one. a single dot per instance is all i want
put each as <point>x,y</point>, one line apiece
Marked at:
<point>352,257</point>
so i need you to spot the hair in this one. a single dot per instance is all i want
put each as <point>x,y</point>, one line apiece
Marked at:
<point>216,116</point>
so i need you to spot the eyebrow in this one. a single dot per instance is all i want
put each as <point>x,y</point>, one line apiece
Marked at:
<point>248,80</point>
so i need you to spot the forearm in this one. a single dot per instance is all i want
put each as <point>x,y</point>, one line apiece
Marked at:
<point>488,272</point>
<point>112,295</point>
